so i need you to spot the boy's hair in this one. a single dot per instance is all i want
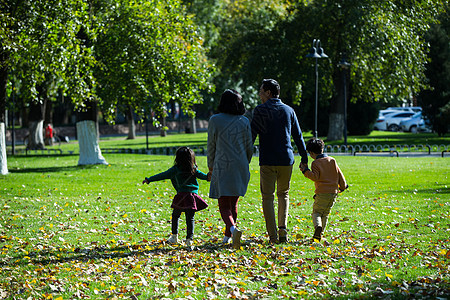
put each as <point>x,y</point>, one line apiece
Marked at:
<point>185,160</point>
<point>315,145</point>
<point>231,103</point>
<point>272,86</point>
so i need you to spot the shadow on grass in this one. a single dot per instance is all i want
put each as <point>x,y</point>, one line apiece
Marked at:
<point>53,169</point>
<point>104,252</point>
<point>157,144</point>
<point>437,190</point>
<point>57,169</point>
<point>384,288</point>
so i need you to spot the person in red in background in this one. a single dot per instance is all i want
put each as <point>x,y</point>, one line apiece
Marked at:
<point>49,135</point>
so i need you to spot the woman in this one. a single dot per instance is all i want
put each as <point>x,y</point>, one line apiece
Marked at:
<point>230,150</point>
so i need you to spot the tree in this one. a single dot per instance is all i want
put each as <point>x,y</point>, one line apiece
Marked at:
<point>383,41</point>
<point>149,55</point>
<point>435,101</point>
<point>39,44</point>
<point>232,30</point>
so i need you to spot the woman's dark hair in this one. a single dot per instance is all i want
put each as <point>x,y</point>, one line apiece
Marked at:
<point>231,103</point>
<point>185,160</point>
<point>315,145</point>
<point>272,86</point>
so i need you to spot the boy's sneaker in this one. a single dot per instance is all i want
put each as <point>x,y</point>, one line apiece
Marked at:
<point>173,239</point>
<point>282,235</point>
<point>318,233</point>
<point>236,236</point>
<point>273,241</point>
<point>188,242</point>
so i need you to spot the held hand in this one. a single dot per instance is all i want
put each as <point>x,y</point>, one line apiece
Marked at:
<point>303,166</point>
<point>340,191</point>
<point>209,175</point>
<point>145,181</point>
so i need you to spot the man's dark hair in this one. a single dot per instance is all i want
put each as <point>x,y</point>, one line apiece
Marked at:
<point>231,103</point>
<point>272,86</point>
<point>315,145</point>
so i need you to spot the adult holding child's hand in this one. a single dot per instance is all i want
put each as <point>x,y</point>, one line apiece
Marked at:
<point>230,150</point>
<point>275,123</point>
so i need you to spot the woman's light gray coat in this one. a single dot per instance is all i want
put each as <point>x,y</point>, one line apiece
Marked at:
<point>230,151</point>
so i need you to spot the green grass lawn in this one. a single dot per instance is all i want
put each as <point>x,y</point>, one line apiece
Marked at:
<point>69,231</point>
<point>381,138</point>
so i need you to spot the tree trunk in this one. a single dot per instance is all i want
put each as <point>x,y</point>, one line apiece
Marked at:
<point>36,135</point>
<point>337,109</point>
<point>87,134</point>
<point>3,82</point>
<point>48,119</point>
<point>163,131</point>
<point>194,126</point>
<point>36,122</point>
<point>131,124</point>
<point>3,161</point>
<point>336,127</point>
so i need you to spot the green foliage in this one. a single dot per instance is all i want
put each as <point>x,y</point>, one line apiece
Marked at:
<point>361,116</point>
<point>390,52</point>
<point>43,48</point>
<point>145,53</point>
<point>236,47</point>
<point>149,54</point>
<point>383,40</point>
<point>71,231</point>
<point>434,99</point>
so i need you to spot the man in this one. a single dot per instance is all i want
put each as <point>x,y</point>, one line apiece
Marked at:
<point>275,123</point>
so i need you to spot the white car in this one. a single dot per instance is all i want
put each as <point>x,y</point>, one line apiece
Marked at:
<point>414,109</point>
<point>385,112</point>
<point>414,124</point>
<point>392,121</point>
<point>380,124</point>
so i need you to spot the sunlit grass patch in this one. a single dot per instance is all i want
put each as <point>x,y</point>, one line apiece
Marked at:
<point>69,231</point>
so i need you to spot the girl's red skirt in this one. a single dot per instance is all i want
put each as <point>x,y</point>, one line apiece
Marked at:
<point>184,200</point>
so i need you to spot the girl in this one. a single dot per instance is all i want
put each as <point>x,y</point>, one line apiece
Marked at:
<point>184,176</point>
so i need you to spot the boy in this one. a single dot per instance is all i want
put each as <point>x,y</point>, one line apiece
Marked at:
<point>328,180</point>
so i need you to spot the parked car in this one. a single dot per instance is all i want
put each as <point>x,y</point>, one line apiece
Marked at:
<point>406,108</point>
<point>380,124</point>
<point>411,124</point>
<point>415,124</point>
<point>393,120</point>
<point>385,112</point>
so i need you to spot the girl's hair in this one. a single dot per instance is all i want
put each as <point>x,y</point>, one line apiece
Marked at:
<point>231,103</point>
<point>185,160</point>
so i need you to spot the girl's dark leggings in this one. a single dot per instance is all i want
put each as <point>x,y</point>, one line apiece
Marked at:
<point>190,213</point>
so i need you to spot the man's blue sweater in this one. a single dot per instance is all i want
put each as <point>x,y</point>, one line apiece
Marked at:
<point>276,122</point>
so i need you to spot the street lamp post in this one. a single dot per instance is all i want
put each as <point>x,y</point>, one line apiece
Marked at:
<point>316,52</point>
<point>344,65</point>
